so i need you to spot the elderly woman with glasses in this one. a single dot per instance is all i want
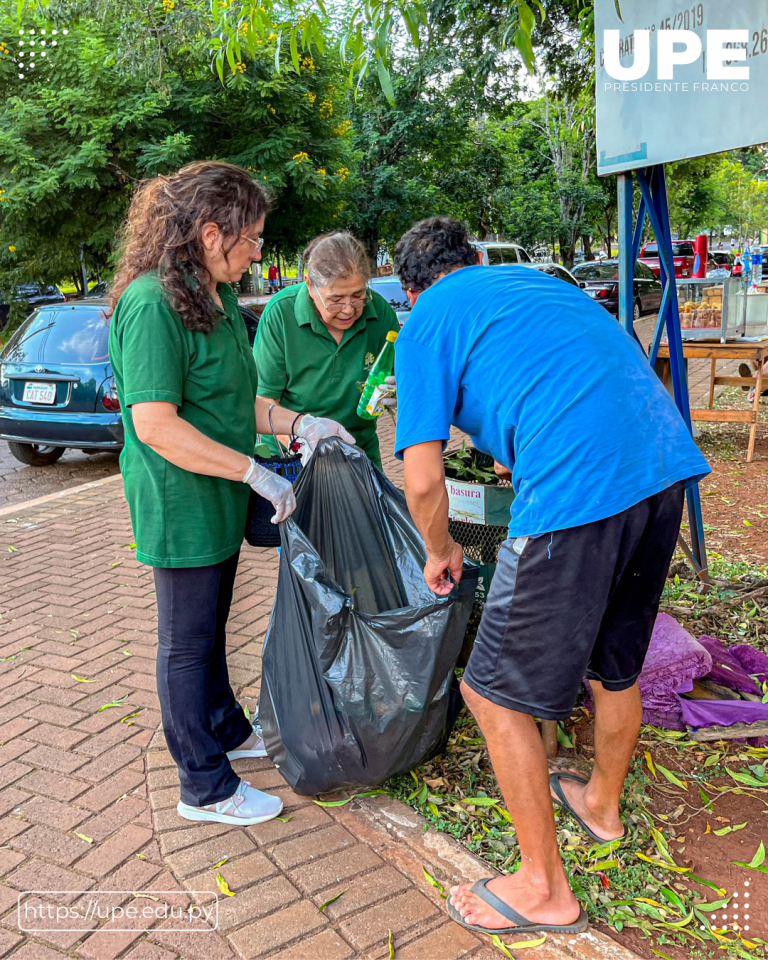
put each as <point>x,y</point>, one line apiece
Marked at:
<point>318,340</point>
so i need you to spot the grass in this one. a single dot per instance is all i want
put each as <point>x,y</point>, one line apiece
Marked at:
<point>636,884</point>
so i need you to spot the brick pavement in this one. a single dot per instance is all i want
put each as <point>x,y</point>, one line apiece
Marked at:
<point>87,795</point>
<point>19,483</point>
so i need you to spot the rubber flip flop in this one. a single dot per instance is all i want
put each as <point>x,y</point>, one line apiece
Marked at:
<point>521,924</point>
<point>562,801</point>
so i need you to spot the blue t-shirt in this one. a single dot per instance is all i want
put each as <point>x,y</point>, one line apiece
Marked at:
<point>548,383</point>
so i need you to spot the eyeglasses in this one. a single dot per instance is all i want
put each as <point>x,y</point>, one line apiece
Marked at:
<point>335,304</point>
<point>254,243</point>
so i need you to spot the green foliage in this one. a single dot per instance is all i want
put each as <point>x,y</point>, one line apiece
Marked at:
<point>80,133</point>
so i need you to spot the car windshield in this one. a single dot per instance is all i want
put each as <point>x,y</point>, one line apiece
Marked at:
<point>60,336</point>
<point>597,271</point>
<point>28,290</point>
<point>392,292</point>
<point>680,248</point>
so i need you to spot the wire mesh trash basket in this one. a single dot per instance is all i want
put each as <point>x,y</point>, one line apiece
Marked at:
<point>478,521</point>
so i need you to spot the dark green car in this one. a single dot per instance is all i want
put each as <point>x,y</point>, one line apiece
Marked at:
<point>56,385</point>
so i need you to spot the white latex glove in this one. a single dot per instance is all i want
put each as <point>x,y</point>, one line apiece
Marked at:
<point>391,400</point>
<point>314,429</point>
<point>272,487</point>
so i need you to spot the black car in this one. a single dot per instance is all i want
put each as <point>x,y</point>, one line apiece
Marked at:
<point>251,323</point>
<point>33,295</point>
<point>97,291</point>
<point>602,284</point>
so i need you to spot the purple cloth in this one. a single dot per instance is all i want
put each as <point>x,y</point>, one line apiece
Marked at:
<point>674,657</point>
<point>753,661</point>
<point>726,669</point>
<point>705,713</point>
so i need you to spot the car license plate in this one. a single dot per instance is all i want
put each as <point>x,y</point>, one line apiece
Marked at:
<point>40,393</point>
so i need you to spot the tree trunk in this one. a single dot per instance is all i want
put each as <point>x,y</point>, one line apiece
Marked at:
<point>586,242</point>
<point>567,250</point>
<point>371,243</point>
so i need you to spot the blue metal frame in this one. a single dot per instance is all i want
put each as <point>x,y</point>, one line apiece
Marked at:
<point>653,204</point>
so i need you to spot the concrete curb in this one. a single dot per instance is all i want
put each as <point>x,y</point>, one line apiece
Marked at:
<point>60,494</point>
<point>414,846</point>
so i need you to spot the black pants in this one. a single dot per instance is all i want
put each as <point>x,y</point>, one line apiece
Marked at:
<point>574,603</point>
<point>201,718</point>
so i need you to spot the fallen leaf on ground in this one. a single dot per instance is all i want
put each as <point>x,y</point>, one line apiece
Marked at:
<point>223,886</point>
<point>329,902</point>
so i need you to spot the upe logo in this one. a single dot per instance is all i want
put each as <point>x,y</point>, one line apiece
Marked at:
<point>667,57</point>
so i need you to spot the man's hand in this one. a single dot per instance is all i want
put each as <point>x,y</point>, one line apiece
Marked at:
<point>502,472</point>
<point>440,573</point>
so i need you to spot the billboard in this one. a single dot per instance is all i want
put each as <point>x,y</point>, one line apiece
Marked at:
<point>677,80</point>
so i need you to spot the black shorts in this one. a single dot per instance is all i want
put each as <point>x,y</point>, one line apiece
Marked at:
<point>574,603</point>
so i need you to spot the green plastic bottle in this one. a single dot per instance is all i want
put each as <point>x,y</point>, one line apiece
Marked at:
<point>375,388</point>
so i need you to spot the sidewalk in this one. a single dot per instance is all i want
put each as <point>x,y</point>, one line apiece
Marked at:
<point>88,795</point>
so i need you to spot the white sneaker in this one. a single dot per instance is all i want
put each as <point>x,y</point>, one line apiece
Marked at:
<point>253,746</point>
<point>245,807</point>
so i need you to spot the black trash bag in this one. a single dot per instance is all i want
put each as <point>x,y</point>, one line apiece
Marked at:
<point>358,668</point>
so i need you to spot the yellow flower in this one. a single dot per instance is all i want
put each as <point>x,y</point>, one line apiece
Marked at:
<point>326,109</point>
<point>321,171</point>
<point>168,5</point>
<point>300,157</point>
<point>240,67</point>
<point>311,97</point>
<point>12,248</point>
<point>272,36</point>
<point>344,127</point>
<point>342,173</point>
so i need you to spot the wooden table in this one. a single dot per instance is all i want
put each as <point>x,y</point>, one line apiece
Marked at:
<point>756,350</point>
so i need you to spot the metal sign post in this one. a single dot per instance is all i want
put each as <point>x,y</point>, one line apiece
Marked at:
<point>653,204</point>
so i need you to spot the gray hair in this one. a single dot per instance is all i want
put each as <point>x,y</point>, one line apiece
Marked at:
<point>336,256</point>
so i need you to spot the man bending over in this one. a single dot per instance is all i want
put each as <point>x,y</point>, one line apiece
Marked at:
<point>599,458</point>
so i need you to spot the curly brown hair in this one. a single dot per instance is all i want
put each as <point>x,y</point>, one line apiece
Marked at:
<point>163,232</point>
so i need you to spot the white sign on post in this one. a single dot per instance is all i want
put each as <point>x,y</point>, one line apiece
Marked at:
<point>466,501</point>
<point>677,80</point>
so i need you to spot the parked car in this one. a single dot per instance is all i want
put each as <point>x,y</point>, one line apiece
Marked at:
<point>34,295</point>
<point>559,271</point>
<point>97,291</point>
<point>682,253</point>
<point>393,293</point>
<point>496,254</point>
<point>251,323</point>
<point>56,385</point>
<point>602,284</point>
<point>723,259</point>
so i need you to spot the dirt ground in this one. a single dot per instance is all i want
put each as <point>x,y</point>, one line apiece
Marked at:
<point>735,495</point>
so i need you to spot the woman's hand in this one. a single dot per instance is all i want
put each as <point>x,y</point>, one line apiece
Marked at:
<point>391,399</point>
<point>502,472</point>
<point>272,487</point>
<point>314,429</point>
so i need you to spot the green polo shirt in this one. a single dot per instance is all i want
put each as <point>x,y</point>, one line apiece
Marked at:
<point>303,368</point>
<point>183,519</point>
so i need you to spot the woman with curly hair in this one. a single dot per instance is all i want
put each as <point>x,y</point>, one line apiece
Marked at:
<point>187,384</point>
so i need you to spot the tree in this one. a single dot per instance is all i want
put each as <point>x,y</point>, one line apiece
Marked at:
<point>80,131</point>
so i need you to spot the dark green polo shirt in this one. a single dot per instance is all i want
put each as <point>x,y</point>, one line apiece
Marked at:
<point>303,368</point>
<point>183,519</point>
